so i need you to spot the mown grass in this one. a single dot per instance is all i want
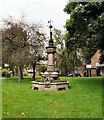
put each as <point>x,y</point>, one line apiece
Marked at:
<point>82,100</point>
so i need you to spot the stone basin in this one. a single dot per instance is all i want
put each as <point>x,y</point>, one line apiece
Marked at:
<point>52,86</point>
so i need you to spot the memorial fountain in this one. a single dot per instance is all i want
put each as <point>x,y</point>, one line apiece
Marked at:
<point>51,77</point>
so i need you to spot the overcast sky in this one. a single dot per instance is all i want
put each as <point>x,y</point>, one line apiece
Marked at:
<point>36,10</point>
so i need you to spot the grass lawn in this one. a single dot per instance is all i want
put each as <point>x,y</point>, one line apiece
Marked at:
<point>82,100</point>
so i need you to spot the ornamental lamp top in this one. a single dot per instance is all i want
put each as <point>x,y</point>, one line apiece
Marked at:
<point>51,40</point>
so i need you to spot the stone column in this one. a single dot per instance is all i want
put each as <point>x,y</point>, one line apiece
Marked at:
<point>50,59</point>
<point>51,51</point>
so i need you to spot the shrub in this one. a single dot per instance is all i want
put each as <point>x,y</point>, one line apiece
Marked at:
<point>39,80</point>
<point>41,68</point>
<point>55,81</point>
<point>5,73</point>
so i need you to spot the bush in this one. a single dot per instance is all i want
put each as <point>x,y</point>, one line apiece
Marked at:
<point>5,73</point>
<point>39,80</point>
<point>41,68</point>
<point>55,81</point>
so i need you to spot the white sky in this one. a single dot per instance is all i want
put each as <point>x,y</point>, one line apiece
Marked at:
<point>36,10</point>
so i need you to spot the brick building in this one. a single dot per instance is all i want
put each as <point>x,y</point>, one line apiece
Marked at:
<point>94,62</point>
<point>97,69</point>
<point>93,69</point>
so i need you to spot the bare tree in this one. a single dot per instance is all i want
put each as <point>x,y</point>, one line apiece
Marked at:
<point>36,45</point>
<point>22,44</point>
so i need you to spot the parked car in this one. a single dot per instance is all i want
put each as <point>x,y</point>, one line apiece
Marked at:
<point>83,74</point>
<point>74,75</point>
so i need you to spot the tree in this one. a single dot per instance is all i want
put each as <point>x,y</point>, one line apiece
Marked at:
<point>22,44</point>
<point>86,27</point>
<point>14,47</point>
<point>41,68</point>
<point>66,59</point>
<point>62,55</point>
<point>0,50</point>
<point>58,38</point>
<point>36,41</point>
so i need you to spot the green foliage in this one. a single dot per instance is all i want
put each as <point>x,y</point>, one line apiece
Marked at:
<point>39,80</point>
<point>82,100</point>
<point>13,45</point>
<point>66,59</point>
<point>58,38</point>
<point>85,27</point>
<point>41,68</point>
<point>54,81</point>
<point>70,7</point>
<point>22,44</point>
<point>62,56</point>
<point>59,80</point>
<point>5,72</point>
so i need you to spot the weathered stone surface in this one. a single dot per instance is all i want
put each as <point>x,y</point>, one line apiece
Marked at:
<point>51,49</point>
<point>53,86</point>
<point>50,75</point>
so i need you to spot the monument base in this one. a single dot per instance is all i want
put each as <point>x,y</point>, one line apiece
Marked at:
<point>42,86</point>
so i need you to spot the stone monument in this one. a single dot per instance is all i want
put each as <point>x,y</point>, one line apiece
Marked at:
<point>51,50</point>
<point>50,76</point>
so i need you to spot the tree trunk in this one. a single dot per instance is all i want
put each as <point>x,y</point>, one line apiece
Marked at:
<point>20,74</point>
<point>66,70</point>
<point>34,65</point>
